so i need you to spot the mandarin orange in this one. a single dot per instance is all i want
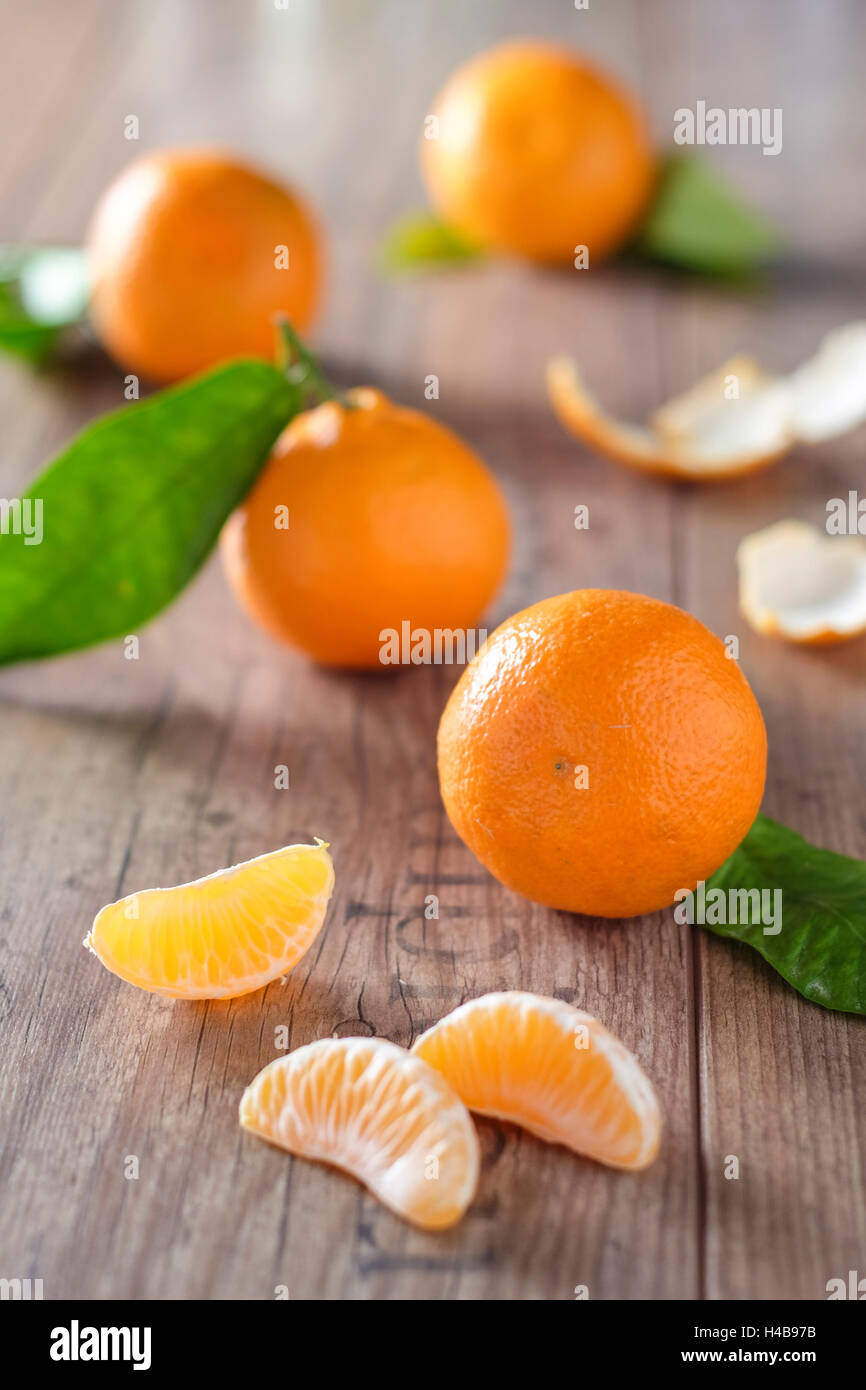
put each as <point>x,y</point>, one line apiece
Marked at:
<point>538,152</point>
<point>602,752</point>
<point>192,253</point>
<point>367,516</point>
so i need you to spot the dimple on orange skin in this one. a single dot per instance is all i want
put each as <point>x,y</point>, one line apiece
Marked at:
<point>391,518</point>
<point>601,752</point>
<point>184,248</point>
<point>538,152</point>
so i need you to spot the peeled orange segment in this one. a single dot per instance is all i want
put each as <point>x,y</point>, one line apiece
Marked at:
<point>372,1109</point>
<point>802,585</point>
<point>550,1068</point>
<point>223,935</point>
<point>733,421</point>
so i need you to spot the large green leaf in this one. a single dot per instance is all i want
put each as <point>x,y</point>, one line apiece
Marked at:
<point>698,222</point>
<point>132,508</point>
<point>821,947</point>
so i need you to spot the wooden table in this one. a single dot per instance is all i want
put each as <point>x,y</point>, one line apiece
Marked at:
<point>117,774</point>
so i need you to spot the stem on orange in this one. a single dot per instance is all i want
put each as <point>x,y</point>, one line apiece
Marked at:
<point>300,366</point>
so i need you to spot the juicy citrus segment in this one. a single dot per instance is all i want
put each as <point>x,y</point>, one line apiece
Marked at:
<point>223,935</point>
<point>801,585</point>
<point>372,1109</point>
<point>552,1069</point>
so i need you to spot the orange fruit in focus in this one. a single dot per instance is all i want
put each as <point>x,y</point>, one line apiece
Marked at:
<point>184,249</point>
<point>538,152</point>
<point>382,1115</point>
<point>554,1070</point>
<point>391,519</point>
<point>220,936</point>
<point>601,752</point>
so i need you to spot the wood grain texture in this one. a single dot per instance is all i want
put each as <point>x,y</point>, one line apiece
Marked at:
<point>116,775</point>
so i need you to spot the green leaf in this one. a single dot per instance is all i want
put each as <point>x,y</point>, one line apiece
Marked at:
<point>698,222</point>
<point>419,241</point>
<point>42,292</point>
<point>132,508</point>
<point>821,948</point>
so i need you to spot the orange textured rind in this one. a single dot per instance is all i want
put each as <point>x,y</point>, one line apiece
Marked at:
<point>601,752</point>
<point>191,252</point>
<point>538,152</point>
<point>372,488</point>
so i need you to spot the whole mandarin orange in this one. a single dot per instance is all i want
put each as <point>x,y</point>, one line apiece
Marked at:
<point>366,516</point>
<point>601,752</point>
<point>538,152</point>
<point>191,255</point>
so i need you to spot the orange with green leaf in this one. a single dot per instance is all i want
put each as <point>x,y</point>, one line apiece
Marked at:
<point>367,516</point>
<point>532,149</point>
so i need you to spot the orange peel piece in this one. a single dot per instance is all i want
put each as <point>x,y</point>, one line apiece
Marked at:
<point>734,421</point>
<point>828,393</point>
<point>801,585</point>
